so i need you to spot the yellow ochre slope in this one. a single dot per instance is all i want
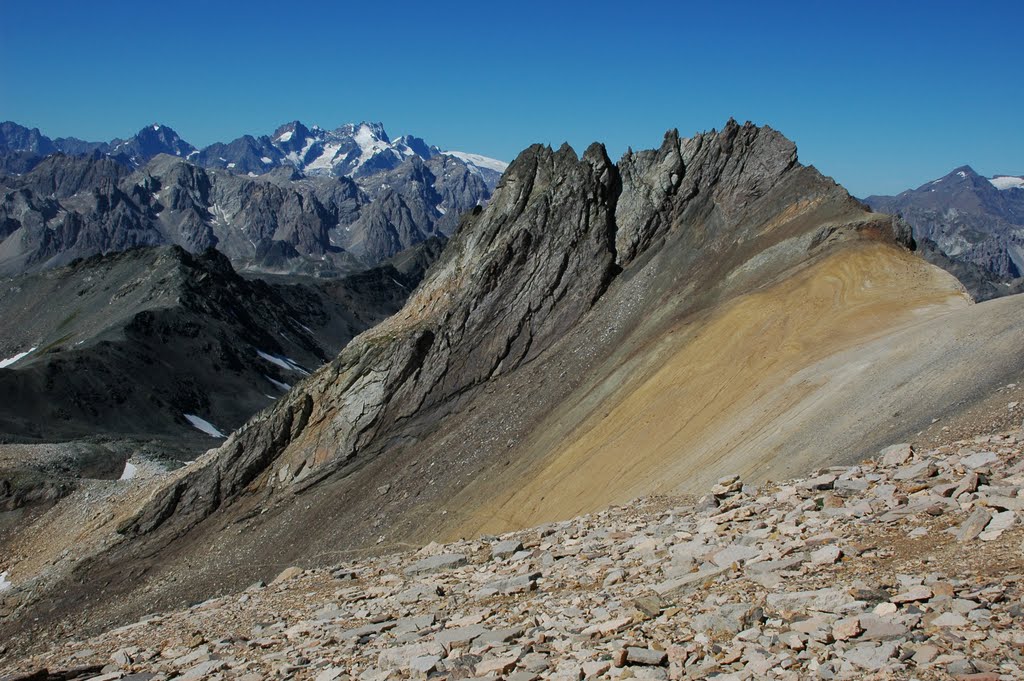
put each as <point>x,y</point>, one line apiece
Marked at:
<point>731,394</point>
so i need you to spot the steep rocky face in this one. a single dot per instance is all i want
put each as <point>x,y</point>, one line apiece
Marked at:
<point>70,207</point>
<point>514,279</point>
<point>980,282</point>
<point>148,143</point>
<point>972,219</point>
<point>247,154</point>
<point>61,177</point>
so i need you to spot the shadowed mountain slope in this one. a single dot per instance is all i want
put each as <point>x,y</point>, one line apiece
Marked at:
<point>129,344</point>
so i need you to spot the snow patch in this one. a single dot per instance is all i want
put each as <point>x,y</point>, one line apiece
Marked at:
<point>203,425</point>
<point>479,161</point>
<point>285,136</point>
<point>231,165</point>
<point>326,159</point>
<point>962,174</point>
<point>130,470</point>
<point>155,128</point>
<point>283,362</point>
<point>266,160</point>
<point>11,360</point>
<point>278,384</point>
<point>1003,182</point>
<point>5,583</point>
<point>369,144</point>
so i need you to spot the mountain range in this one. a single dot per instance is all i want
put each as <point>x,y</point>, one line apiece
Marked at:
<point>352,150</point>
<point>306,200</point>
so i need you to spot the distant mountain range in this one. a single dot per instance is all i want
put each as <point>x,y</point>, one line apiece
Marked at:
<point>352,150</point>
<point>302,200</point>
<point>969,224</point>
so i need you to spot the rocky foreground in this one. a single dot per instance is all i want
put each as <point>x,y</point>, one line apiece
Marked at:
<point>909,566</point>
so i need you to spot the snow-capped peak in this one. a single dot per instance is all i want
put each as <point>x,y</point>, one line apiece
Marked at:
<point>479,161</point>
<point>1003,182</point>
<point>363,149</point>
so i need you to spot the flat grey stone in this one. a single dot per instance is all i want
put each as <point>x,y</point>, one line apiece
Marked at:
<point>444,561</point>
<point>734,553</point>
<point>460,634</point>
<point>504,549</point>
<point>979,459</point>
<point>974,525</point>
<point>896,455</point>
<point>821,600</point>
<point>872,657</point>
<point>646,656</point>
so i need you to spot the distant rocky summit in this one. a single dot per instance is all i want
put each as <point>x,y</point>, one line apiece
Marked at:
<point>971,225</point>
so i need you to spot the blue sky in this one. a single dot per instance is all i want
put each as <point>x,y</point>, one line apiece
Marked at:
<point>881,96</point>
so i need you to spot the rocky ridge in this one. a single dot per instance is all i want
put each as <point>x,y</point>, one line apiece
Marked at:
<point>905,566</point>
<point>508,287</point>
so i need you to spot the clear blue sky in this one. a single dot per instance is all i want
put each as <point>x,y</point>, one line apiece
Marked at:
<point>882,96</point>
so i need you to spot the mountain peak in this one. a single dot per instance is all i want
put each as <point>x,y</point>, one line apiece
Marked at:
<point>963,171</point>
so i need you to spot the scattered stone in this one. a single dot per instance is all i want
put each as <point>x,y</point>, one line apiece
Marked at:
<point>286,574</point>
<point>739,586</point>
<point>974,525</point>
<point>445,561</point>
<point>646,656</point>
<point>506,548</point>
<point>896,455</point>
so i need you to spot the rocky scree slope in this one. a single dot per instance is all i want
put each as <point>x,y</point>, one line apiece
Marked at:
<point>905,566</point>
<point>551,305</point>
<point>976,225</point>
